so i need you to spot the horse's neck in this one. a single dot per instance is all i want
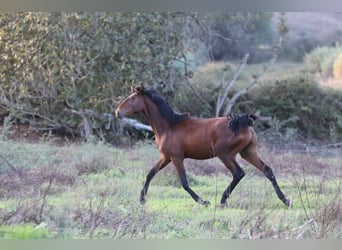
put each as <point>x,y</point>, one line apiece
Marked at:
<point>157,122</point>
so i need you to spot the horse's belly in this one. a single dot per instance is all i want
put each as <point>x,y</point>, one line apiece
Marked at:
<point>199,151</point>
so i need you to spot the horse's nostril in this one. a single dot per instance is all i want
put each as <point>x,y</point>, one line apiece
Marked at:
<point>119,114</point>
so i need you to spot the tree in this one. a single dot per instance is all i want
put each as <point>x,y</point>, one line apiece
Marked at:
<point>63,72</point>
<point>229,36</point>
<point>212,36</point>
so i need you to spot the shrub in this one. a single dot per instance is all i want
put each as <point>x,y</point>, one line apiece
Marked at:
<point>297,45</point>
<point>338,67</point>
<point>321,60</point>
<point>209,81</point>
<point>318,110</point>
<point>64,72</point>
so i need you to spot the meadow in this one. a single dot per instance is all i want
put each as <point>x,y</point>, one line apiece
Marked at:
<point>63,75</point>
<point>91,190</point>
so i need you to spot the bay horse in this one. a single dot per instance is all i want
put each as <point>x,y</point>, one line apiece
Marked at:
<point>179,136</point>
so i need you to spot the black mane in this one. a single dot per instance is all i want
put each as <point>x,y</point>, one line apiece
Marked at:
<point>164,108</point>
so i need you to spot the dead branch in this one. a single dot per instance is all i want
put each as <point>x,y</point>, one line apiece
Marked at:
<point>222,97</point>
<point>251,84</point>
<point>195,91</point>
<point>86,125</point>
<point>136,124</point>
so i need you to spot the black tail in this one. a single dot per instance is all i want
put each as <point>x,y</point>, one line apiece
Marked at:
<point>240,121</point>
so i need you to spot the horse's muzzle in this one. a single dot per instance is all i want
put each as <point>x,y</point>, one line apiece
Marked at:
<point>119,114</point>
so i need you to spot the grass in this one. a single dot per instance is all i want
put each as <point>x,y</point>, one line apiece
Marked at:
<point>92,191</point>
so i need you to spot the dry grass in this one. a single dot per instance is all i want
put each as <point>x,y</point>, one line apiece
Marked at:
<point>91,191</point>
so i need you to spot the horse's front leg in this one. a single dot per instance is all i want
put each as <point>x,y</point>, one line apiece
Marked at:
<point>178,162</point>
<point>162,162</point>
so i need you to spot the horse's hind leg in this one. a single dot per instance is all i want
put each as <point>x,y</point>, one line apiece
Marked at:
<point>237,173</point>
<point>250,154</point>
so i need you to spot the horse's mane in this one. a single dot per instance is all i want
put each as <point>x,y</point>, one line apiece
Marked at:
<point>164,108</point>
<point>240,121</point>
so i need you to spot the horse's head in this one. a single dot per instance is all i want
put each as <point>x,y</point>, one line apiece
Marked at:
<point>132,104</point>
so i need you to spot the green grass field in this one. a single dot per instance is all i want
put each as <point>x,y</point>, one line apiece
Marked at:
<point>92,191</point>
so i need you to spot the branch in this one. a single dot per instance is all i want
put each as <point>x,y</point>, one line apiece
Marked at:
<point>189,74</point>
<point>11,166</point>
<point>86,125</point>
<point>277,48</point>
<point>251,84</point>
<point>222,97</point>
<point>195,90</point>
<point>136,124</point>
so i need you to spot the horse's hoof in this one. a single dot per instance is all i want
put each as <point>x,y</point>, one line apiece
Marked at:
<point>288,203</point>
<point>206,203</point>
<point>202,202</point>
<point>224,205</point>
<point>142,201</point>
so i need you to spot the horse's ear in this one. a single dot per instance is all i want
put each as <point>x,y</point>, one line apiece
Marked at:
<point>140,89</point>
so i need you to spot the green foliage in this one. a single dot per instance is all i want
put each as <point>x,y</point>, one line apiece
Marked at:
<point>296,103</point>
<point>296,48</point>
<point>308,31</point>
<point>24,232</point>
<point>207,81</point>
<point>321,60</point>
<point>318,110</point>
<point>64,71</point>
<point>228,36</point>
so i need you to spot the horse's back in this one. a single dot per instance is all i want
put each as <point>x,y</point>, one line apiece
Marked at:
<point>198,138</point>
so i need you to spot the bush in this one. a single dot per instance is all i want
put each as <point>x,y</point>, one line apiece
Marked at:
<point>338,67</point>
<point>208,82</point>
<point>62,72</point>
<point>318,110</point>
<point>298,45</point>
<point>321,60</point>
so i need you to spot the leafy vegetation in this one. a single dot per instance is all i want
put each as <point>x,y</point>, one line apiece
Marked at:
<point>63,73</point>
<point>295,102</point>
<point>306,107</point>
<point>229,36</point>
<point>320,61</point>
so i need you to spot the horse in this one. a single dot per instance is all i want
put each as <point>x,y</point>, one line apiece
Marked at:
<point>179,136</point>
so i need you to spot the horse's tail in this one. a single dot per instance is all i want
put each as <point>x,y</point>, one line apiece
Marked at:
<point>240,121</point>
